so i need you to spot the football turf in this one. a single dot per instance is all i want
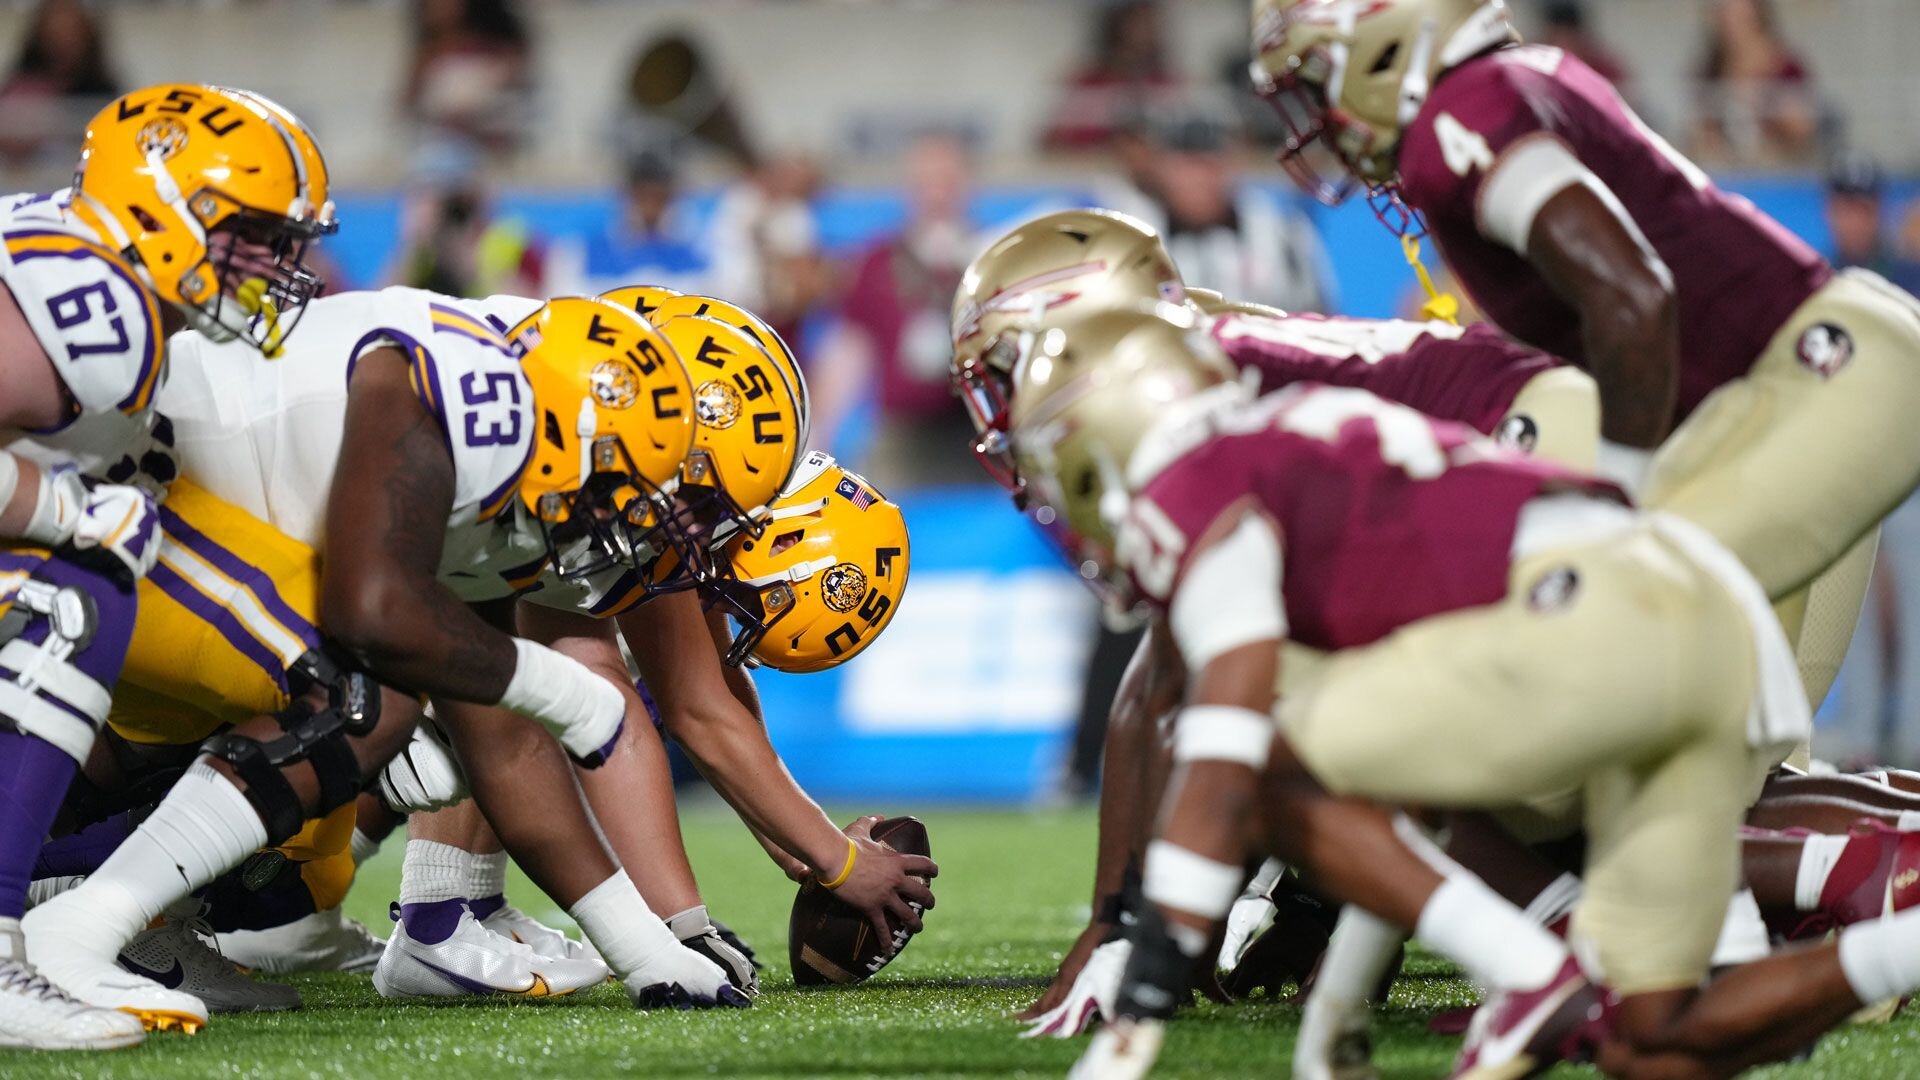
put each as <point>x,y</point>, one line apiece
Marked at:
<point>1012,894</point>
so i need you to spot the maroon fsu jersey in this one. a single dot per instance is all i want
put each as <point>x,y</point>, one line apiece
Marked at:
<point>1384,516</point>
<point>1469,375</point>
<point>1737,273</point>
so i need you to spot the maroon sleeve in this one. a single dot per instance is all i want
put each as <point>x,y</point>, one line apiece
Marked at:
<point>1473,115</point>
<point>865,298</point>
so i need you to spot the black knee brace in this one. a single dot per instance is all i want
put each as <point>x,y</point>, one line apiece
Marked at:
<point>350,691</point>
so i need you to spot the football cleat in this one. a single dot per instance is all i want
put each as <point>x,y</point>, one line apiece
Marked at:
<point>698,932</point>
<point>37,1015</point>
<point>1335,1043</point>
<point>176,955</point>
<point>1878,874</point>
<point>1522,1033</point>
<point>683,979</point>
<point>516,925</point>
<point>323,941</point>
<point>475,961</point>
<point>65,940</point>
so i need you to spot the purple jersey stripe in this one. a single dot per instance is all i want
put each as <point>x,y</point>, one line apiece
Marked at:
<point>250,577</point>
<point>497,499</point>
<point>490,342</point>
<point>426,376</point>
<point>182,592</point>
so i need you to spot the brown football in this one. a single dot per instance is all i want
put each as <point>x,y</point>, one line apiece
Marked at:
<point>829,940</point>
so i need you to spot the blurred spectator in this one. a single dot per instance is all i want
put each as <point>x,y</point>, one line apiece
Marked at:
<point>652,240</point>
<point>1855,217</point>
<point>1225,234</point>
<point>892,332</point>
<point>673,92</point>
<point>1757,101</point>
<point>450,240</point>
<point>1566,29</point>
<point>469,74</point>
<point>766,244</point>
<point>60,77</point>
<point>1127,71</point>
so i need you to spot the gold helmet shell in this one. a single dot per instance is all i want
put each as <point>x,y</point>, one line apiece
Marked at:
<point>614,422</point>
<point>823,578</point>
<point>1347,76</point>
<point>643,300</point>
<point>167,169</point>
<point>1085,399</point>
<point>757,328</point>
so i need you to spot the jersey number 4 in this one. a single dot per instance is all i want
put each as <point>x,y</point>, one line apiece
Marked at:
<point>1461,147</point>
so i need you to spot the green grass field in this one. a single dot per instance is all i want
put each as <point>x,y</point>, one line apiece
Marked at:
<point>1012,895</point>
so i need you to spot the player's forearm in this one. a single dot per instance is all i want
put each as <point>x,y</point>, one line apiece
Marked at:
<point>19,494</point>
<point>733,753</point>
<point>1633,345</point>
<point>418,635</point>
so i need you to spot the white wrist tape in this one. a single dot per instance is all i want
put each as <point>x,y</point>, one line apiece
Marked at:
<point>564,696</point>
<point>1223,733</point>
<point>1624,465</point>
<point>1179,879</point>
<point>57,509</point>
<point>9,478</point>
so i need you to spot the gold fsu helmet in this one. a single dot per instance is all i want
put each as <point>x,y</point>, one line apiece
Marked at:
<point>642,300</point>
<point>1348,76</point>
<point>212,194</point>
<point>1056,265</point>
<point>822,579</point>
<point>745,438</point>
<point>613,415</point>
<point>758,329</point>
<point>1085,400</point>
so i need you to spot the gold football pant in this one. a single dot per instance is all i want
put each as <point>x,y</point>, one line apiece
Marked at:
<point>1561,407</point>
<point>231,604</point>
<point>1794,464</point>
<point>1617,668</point>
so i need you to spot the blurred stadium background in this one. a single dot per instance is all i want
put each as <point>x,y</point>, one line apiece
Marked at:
<point>833,164</point>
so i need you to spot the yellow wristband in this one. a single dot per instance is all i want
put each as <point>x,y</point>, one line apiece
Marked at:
<point>845,871</point>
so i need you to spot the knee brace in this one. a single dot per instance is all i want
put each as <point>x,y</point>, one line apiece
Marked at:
<point>43,690</point>
<point>317,736</point>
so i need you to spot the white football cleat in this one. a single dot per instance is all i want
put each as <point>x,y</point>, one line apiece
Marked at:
<point>474,961</point>
<point>323,941</point>
<point>176,954</point>
<point>1123,1050</point>
<point>65,940</point>
<point>516,925</point>
<point>37,1015</point>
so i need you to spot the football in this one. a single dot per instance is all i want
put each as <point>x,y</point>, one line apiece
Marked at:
<point>830,941</point>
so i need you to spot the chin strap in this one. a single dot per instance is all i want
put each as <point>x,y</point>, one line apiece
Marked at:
<point>1443,306</point>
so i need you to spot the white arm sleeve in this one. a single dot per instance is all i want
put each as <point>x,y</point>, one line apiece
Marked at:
<point>1229,595</point>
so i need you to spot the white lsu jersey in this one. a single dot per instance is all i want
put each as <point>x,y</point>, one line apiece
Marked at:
<point>266,437</point>
<point>98,323</point>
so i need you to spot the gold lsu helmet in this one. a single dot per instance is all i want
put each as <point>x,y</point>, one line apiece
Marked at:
<point>614,421</point>
<point>1347,76</point>
<point>745,439</point>
<point>823,578</point>
<point>1056,265</point>
<point>213,195</point>
<point>1085,403</point>
<point>758,329</point>
<point>642,300</point>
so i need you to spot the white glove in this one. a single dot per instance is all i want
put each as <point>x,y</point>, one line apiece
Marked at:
<point>679,978</point>
<point>122,522</point>
<point>424,775</point>
<point>1333,1043</point>
<point>583,710</point>
<point>1122,1051</point>
<point>1249,917</point>
<point>1091,997</point>
<point>696,931</point>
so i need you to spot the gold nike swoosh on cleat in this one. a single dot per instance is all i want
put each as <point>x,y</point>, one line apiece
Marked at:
<point>538,989</point>
<point>164,1020</point>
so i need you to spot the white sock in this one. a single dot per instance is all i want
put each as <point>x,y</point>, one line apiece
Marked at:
<point>486,875</point>
<point>1555,901</point>
<point>432,872</point>
<point>1498,946</point>
<point>1743,936</point>
<point>203,828</point>
<point>364,848</point>
<point>621,926</point>
<point>1362,946</point>
<point>1819,854</point>
<point>1881,957</point>
<point>1909,821</point>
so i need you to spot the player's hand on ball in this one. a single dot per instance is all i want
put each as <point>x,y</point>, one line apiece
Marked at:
<point>884,884</point>
<point>1091,996</point>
